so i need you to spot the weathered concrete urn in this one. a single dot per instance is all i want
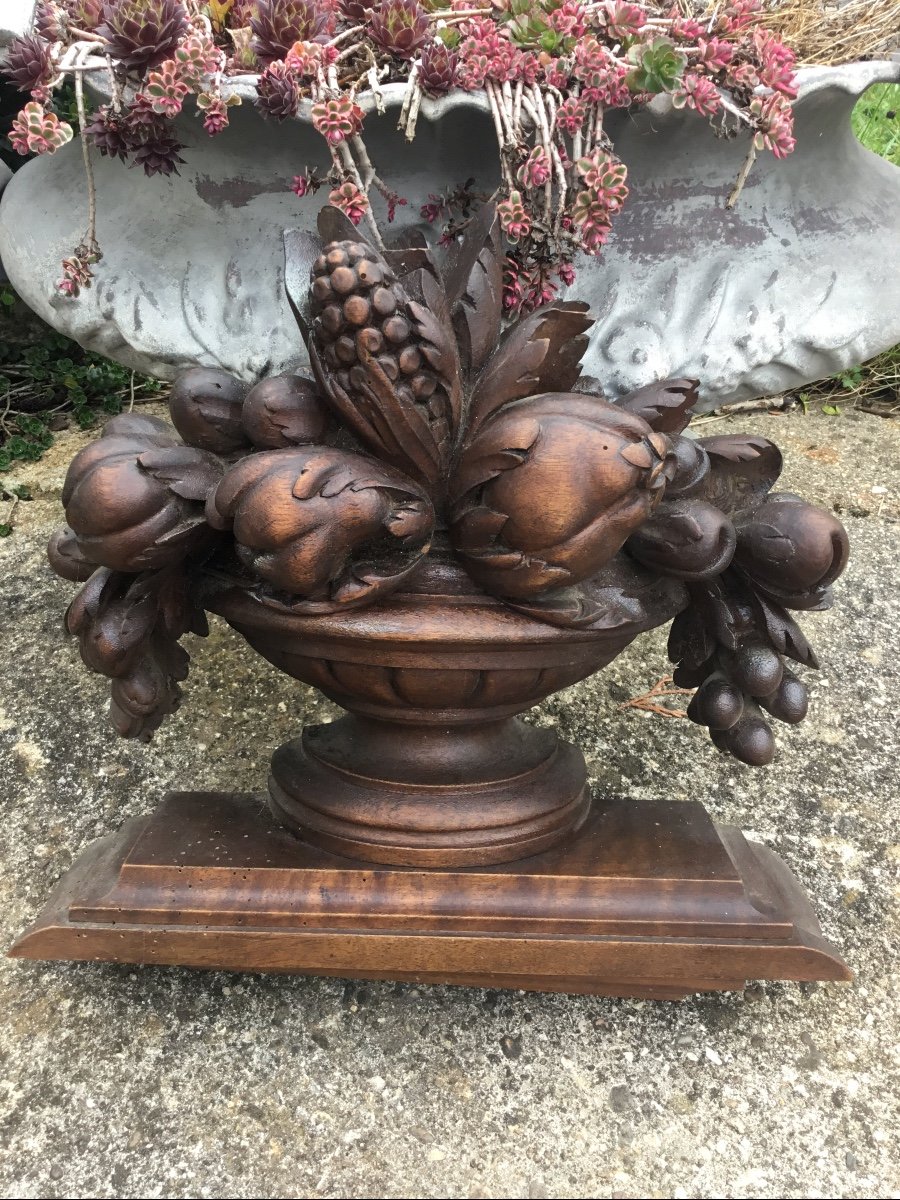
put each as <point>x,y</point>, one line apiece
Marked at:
<point>801,279</point>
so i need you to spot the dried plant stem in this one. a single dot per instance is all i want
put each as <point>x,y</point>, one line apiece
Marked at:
<point>346,165</point>
<point>742,176</point>
<point>90,239</point>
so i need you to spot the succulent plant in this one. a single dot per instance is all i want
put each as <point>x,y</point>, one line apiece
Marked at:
<point>84,14</point>
<point>657,66</point>
<point>437,69</point>
<point>110,133</point>
<point>50,20</point>
<point>277,24</point>
<point>356,12</point>
<point>277,92</point>
<point>142,33</point>
<point>399,27</point>
<point>159,155</point>
<point>28,63</point>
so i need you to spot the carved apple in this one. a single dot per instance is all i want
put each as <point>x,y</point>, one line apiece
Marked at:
<point>326,526</point>
<point>550,488</point>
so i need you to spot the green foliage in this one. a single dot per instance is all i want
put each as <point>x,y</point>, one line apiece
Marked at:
<point>658,67</point>
<point>46,383</point>
<point>876,120</point>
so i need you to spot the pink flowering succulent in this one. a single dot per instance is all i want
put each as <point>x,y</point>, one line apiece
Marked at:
<point>350,200</point>
<point>570,20</point>
<point>571,115</point>
<point>777,64</point>
<point>624,20</point>
<point>215,111</point>
<point>699,93</point>
<point>337,120</point>
<point>166,90</point>
<point>198,57</point>
<point>715,54</point>
<point>514,219</point>
<point>775,124</point>
<point>36,131</point>
<point>535,170</point>
<point>549,71</point>
<point>605,176</point>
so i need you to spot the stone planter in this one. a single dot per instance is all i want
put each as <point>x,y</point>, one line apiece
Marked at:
<point>800,281</point>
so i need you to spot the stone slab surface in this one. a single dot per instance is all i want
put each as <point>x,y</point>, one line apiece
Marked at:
<point>131,1082</point>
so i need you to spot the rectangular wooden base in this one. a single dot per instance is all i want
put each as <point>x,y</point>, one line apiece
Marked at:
<point>646,899</point>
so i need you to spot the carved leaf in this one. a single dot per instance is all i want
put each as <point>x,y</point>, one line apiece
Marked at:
<point>409,254</point>
<point>301,249</point>
<point>186,471</point>
<point>335,226</point>
<point>622,595</point>
<point>691,641</point>
<point>542,352</point>
<point>666,406</point>
<point>473,279</point>
<point>783,631</point>
<point>432,323</point>
<point>743,471</point>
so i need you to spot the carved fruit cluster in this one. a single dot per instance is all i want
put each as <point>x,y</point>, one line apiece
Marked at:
<point>362,325</point>
<point>424,416</point>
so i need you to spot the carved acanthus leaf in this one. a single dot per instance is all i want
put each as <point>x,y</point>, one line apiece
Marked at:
<point>666,406</point>
<point>541,352</point>
<point>622,595</point>
<point>473,279</point>
<point>744,468</point>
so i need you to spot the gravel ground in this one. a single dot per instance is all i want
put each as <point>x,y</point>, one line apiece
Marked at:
<point>134,1082</point>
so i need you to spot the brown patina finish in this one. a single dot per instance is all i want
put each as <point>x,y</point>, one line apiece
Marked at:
<point>442,528</point>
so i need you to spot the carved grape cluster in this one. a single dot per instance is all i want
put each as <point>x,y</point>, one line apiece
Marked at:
<point>317,495</point>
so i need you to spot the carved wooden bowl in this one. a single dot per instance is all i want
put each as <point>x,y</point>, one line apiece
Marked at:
<point>459,665</point>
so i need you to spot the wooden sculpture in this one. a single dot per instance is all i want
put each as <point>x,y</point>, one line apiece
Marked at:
<point>444,527</point>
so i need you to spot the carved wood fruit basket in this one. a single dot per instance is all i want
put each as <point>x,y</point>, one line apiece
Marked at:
<point>442,528</point>
<point>442,670</point>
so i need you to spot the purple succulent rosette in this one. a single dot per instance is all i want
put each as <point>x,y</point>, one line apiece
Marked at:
<point>547,71</point>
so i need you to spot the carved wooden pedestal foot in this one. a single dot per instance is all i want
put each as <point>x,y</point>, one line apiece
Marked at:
<point>494,791</point>
<point>645,899</point>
